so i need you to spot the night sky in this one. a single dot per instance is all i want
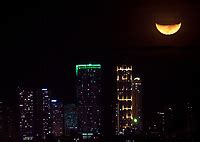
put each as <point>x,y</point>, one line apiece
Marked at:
<point>42,41</point>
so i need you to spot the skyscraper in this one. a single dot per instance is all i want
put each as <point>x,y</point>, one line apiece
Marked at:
<point>189,118</point>
<point>8,122</point>
<point>89,94</point>
<point>42,113</point>
<point>170,116</point>
<point>128,103</point>
<point>1,119</point>
<point>70,112</point>
<point>26,113</point>
<point>160,120</point>
<point>57,117</point>
<point>137,85</point>
<point>34,111</point>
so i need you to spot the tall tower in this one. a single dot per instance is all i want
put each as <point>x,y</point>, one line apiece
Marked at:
<point>26,113</point>
<point>42,113</point>
<point>89,95</point>
<point>137,85</point>
<point>189,118</point>
<point>128,103</point>
<point>57,111</point>
<point>1,119</point>
<point>34,111</point>
<point>8,122</point>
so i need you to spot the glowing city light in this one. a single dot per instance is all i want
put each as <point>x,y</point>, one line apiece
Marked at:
<point>53,101</point>
<point>87,66</point>
<point>137,78</point>
<point>135,120</point>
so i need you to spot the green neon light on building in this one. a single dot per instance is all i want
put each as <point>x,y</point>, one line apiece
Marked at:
<point>87,66</point>
<point>135,120</point>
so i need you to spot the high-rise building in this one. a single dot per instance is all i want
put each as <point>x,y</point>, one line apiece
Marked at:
<point>1,119</point>
<point>57,111</point>
<point>10,123</point>
<point>35,115</point>
<point>163,122</point>
<point>170,117</point>
<point>128,103</point>
<point>42,113</point>
<point>137,84</point>
<point>70,112</point>
<point>160,120</point>
<point>189,118</point>
<point>26,113</point>
<point>89,94</point>
<point>157,124</point>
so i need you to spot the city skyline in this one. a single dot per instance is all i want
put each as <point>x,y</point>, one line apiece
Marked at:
<point>63,91</point>
<point>42,42</point>
<point>36,106</point>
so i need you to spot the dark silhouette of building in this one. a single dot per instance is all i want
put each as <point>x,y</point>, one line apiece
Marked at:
<point>1,119</point>
<point>8,122</point>
<point>11,124</point>
<point>170,116</point>
<point>189,118</point>
<point>70,112</point>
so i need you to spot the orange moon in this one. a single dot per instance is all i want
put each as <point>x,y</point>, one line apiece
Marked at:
<point>168,29</point>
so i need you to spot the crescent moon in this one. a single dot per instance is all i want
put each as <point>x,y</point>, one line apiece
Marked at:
<point>168,29</point>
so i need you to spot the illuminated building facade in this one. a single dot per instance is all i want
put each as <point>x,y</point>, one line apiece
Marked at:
<point>35,115</point>
<point>57,117</point>
<point>42,113</point>
<point>89,95</point>
<point>137,85</point>
<point>70,112</point>
<point>128,103</point>
<point>26,113</point>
